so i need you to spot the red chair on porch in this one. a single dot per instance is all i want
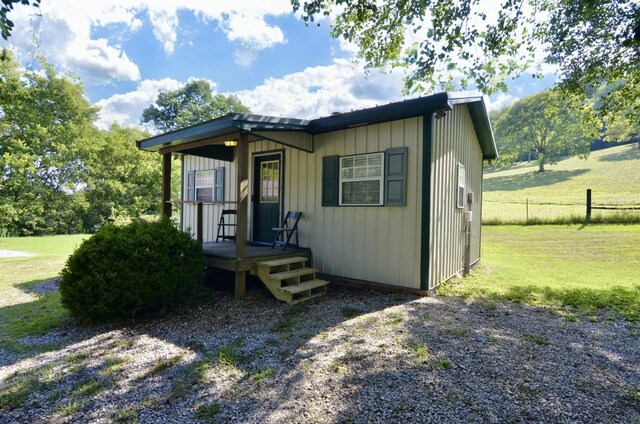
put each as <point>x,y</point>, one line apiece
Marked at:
<point>288,228</point>
<point>230,223</point>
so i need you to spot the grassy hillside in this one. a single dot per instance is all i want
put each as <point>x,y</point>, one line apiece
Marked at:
<point>612,174</point>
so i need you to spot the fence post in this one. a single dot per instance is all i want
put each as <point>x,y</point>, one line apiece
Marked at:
<point>527,221</point>
<point>588,203</point>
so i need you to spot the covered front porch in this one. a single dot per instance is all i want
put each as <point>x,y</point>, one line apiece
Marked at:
<point>227,140</point>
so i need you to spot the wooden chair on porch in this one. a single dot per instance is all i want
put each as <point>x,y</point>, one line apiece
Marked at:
<point>287,229</point>
<point>228,225</point>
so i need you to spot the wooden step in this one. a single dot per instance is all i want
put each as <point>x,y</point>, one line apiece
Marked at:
<point>307,285</point>
<point>304,299</point>
<point>283,261</point>
<point>291,273</point>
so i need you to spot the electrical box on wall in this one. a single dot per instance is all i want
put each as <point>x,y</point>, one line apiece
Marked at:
<point>468,216</point>
<point>461,187</point>
<point>470,198</point>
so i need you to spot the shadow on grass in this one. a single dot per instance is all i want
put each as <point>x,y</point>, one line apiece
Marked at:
<point>530,180</point>
<point>85,362</point>
<point>43,325</point>
<point>24,325</point>
<point>632,154</point>
<point>347,357</point>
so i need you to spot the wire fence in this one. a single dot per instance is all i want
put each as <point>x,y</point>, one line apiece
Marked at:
<point>525,211</point>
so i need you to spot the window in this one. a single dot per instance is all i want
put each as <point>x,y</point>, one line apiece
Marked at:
<point>369,179</point>
<point>362,179</point>
<point>206,186</point>
<point>461,186</point>
<point>270,181</point>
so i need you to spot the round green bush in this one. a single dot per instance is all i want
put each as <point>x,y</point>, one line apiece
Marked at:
<point>123,271</point>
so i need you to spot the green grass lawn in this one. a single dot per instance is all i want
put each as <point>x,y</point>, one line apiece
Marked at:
<point>23,313</point>
<point>591,267</point>
<point>560,191</point>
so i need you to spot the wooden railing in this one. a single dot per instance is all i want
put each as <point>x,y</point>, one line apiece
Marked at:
<point>200,212</point>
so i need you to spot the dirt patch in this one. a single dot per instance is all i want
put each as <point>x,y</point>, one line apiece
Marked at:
<point>15,254</point>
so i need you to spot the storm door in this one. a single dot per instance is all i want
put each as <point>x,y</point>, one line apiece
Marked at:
<point>267,196</point>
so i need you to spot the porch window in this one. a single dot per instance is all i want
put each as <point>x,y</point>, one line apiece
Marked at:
<point>362,179</point>
<point>208,185</point>
<point>204,186</point>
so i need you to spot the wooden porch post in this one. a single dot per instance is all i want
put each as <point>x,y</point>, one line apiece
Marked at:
<point>199,223</point>
<point>166,184</point>
<point>241,159</point>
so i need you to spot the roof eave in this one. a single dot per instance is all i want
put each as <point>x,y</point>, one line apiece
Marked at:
<point>213,128</point>
<point>385,113</point>
<point>234,123</point>
<point>479,111</point>
<point>229,124</point>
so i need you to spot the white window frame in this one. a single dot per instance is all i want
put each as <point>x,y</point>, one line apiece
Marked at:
<point>379,178</point>
<point>199,187</point>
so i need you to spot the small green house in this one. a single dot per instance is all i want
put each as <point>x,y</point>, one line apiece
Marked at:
<point>390,195</point>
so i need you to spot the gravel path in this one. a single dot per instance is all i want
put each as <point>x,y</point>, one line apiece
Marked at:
<point>353,356</point>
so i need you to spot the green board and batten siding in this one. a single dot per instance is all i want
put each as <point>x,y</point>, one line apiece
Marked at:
<point>455,142</point>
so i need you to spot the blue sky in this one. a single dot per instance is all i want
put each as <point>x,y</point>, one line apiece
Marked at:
<point>125,51</point>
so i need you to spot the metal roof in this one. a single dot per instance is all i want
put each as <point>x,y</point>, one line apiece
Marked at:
<point>234,123</point>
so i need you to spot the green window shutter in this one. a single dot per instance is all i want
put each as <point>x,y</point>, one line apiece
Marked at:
<point>395,181</point>
<point>191,186</point>
<point>218,188</point>
<point>330,180</point>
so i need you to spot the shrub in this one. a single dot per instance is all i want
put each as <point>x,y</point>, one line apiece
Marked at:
<point>126,270</point>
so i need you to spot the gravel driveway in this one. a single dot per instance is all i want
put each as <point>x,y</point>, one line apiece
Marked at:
<point>352,356</point>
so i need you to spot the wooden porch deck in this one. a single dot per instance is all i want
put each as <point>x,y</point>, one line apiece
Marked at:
<point>222,255</point>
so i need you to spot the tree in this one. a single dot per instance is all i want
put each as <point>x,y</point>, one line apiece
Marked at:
<point>189,105</point>
<point>546,125</point>
<point>46,131</point>
<point>592,42</point>
<point>122,181</point>
<point>6,24</point>
<point>620,126</point>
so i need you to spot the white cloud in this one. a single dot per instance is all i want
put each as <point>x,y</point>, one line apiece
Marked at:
<point>101,63</point>
<point>502,100</point>
<point>165,25</point>
<point>64,36</point>
<point>126,109</point>
<point>253,31</point>
<point>315,92</point>
<point>321,90</point>
<point>66,30</point>
<point>348,46</point>
<point>253,35</point>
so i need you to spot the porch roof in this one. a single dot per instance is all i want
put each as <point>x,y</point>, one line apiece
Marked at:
<point>233,124</point>
<point>230,124</point>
